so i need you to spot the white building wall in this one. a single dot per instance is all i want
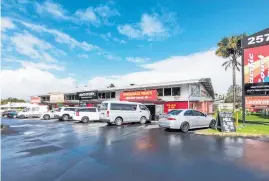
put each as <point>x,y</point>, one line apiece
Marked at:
<point>184,94</point>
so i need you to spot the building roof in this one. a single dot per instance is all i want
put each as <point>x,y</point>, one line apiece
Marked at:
<point>205,81</point>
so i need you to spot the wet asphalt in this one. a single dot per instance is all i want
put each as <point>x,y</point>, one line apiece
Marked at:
<point>39,150</point>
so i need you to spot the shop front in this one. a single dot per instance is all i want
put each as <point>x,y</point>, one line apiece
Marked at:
<point>88,99</point>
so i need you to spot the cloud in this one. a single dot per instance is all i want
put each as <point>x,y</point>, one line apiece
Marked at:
<point>83,56</point>
<point>95,16</point>
<point>41,65</point>
<point>130,31</point>
<point>87,15</point>
<point>108,37</point>
<point>137,60</point>
<point>61,37</point>
<point>31,46</point>
<point>151,27</point>
<point>52,8</point>
<point>6,24</point>
<point>29,81</point>
<point>195,66</point>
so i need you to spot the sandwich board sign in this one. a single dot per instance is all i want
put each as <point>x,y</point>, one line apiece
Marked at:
<point>225,122</point>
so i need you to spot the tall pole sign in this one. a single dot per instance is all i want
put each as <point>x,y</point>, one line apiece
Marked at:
<point>255,71</point>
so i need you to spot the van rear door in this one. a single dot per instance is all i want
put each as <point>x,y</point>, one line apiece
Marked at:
<point>103,111</point>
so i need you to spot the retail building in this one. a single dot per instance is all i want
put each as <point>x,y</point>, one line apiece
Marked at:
<point>158,97</point>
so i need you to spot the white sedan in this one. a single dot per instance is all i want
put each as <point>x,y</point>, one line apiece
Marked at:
<point>186,119</point>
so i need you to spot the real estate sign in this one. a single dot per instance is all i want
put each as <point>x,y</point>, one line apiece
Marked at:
<point>256,70</point>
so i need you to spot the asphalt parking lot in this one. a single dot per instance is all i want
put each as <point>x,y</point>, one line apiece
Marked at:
<point>51,150</point>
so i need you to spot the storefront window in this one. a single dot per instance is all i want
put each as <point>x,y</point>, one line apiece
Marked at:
<point>160,92</point>
<point>99,95</point>
<point>103,95</point>
<point>107,95</point>
<point>176,91</point>
<point>113,94</point>
<point>167,91</point>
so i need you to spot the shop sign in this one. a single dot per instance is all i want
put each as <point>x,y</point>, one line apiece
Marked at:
<point>57,98</point>
<point>35,100</point>
<point>138,95</point>
<point>87,95</point>
<point>258,102</point>
<point>256,64</point>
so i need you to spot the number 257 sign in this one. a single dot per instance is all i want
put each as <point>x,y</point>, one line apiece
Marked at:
<point>257,39</point>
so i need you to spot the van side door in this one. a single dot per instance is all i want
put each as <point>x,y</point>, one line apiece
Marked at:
<point>143,112</point>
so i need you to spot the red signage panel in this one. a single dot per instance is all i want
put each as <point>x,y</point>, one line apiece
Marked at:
<point>257,102</point>
<point>139,95</point>
<point>35,100</point>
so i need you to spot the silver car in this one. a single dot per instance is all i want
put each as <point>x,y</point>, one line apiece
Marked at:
<point>186,119</point>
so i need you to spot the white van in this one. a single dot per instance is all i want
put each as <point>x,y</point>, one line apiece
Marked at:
<point>33,111</point>
<point>119,112</point>
<point>86,114</point>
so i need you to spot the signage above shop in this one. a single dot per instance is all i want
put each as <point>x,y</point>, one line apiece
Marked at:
<point>35,100</point>
<point>56,98</point>
<point>139,95</point>
<point>87,95</point>
<point>258,102</point>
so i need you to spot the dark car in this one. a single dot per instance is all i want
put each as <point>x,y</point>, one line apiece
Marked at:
<point>10,114</point>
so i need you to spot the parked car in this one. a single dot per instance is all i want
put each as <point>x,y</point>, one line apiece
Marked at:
<point>50,114</point>
<point>10,114</point>
<point>86,114</point>
<point>65,113</point>
<point>33,111</point>
<point>186,119</point>
<point>118,112</point>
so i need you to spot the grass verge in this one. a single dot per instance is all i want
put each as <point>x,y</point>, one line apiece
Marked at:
<point>256,125</point>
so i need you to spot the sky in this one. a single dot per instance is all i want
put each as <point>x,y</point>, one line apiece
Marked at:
<point>54,46</point>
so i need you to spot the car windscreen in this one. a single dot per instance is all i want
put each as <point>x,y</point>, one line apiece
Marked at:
<point>174,112</point>
<point>103,106</point>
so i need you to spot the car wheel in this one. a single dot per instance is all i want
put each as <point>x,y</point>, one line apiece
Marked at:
<point>185,127</point>
<point>46,117</point>
<point>85,119</point>
<point>22,117</point>
<point>212,124</point>
<point>118,121</point>
<point>65,117</point>
<point>143,120</point>
<point>109,124</point>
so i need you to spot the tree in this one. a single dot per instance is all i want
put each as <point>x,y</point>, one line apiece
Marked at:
<point>238,95</point>
<point>230,49</point>
<point>111,86</point>
<point>11,99</point>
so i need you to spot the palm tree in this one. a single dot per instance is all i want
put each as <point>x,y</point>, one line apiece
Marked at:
<point>230,49</point>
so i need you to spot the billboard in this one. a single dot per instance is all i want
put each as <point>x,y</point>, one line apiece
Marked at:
<point>87,95</point>
<point>139,95</point>
<point>255,64</point>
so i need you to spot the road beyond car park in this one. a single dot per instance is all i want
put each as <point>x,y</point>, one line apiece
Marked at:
<point>52,150</point>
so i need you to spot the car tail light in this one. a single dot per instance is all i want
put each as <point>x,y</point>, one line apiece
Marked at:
<point>171,119</point>
<point>107,113</point>
<point>77,113</point>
